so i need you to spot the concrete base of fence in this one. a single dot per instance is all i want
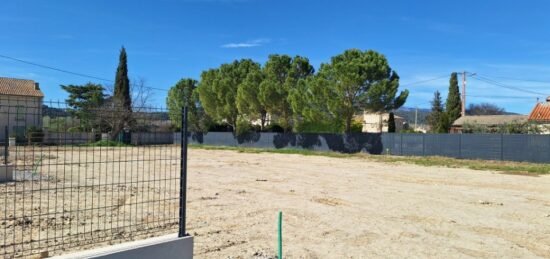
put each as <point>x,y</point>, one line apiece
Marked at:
<point>165,247</point>
<point>6,173</point>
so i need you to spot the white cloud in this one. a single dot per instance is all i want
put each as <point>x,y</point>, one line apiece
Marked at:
<point>246,44</point>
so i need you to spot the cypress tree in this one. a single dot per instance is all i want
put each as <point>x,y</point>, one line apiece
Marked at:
<point>453,105</point>
<point>391,123</point>
<point>122,83</point>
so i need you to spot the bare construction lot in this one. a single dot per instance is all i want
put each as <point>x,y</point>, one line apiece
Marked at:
<point>332,207</point>
<point>353,208</point>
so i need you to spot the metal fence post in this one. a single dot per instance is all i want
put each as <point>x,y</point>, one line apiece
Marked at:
<point>6,142</point>
<point>183,172</point>
<point>401,145</point>
<point>460,145</point>
<point>423,144</point>
<point>502,147</point>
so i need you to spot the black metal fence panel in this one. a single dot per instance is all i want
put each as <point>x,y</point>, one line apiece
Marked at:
<point>75,179</point>
<point>531,148</point>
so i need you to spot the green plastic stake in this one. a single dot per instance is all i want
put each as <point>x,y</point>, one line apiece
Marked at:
<point>280,235</point>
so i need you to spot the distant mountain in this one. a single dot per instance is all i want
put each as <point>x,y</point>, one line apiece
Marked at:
<point>53,112</point>
<point>409,113</point>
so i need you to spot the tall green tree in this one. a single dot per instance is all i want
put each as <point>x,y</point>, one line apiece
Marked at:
<point>282,75</point>
<point>453,105</point>
<point>391,123</point>
<point>184,93</point>
<point>248,100</point>
<point>437,119</point>
<point>122,83</point>
<point>83,99</point>
<point>355,81</point>
<point>218,90</point>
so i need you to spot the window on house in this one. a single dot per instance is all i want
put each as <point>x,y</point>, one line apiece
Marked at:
<point>19,113</point>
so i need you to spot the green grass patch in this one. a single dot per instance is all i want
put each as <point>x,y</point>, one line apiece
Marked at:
<point>507,167</point>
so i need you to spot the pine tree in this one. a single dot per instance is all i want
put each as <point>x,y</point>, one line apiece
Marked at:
<point>122,83</point>
<point>453,105</point>
<point>437,119</point>
<point>391,123</point>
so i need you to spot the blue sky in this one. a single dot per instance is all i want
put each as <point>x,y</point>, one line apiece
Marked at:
<point>169,40</point>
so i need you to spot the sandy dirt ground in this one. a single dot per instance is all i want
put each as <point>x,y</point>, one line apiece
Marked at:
<point>332,207</point>
<point>353,208</point>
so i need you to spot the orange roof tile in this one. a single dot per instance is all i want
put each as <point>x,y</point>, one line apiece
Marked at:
<point>541,113</point>
<point>19,87</point>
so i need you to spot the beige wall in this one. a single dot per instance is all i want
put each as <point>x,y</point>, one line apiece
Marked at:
<point>19,113</point>
<point>371,122</point>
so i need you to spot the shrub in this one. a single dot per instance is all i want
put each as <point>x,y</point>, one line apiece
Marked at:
<point>74,130</point>
<point>273,127</point>
<point>219,127</point>
<point>243,127</point>
<point>356,126</point>
<point>34,135</point>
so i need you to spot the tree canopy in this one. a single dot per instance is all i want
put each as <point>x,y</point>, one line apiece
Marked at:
<point>287,91</point>
<point>182,94</point>
<point>437,118</point>
<point>122,82</point>
<point>218,89</point>
<point>355,81</point>
<point>283,75</point>
<point>82,100</point>
<point>453,105</point>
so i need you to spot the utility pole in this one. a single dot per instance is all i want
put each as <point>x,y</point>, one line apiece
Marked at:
<point>464,74</point>
<point>463,113</point>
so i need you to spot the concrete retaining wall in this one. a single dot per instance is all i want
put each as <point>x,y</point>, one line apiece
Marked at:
<point>164,247</point>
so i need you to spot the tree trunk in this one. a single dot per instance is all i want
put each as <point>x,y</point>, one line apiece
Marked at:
<point>234,125</point>
<point>115,132</point>
<point>348,124</point>
<point>263,117</point>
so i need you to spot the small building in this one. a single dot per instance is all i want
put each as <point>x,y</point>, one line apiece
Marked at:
<point>540,116</point>
<point>489,122</point>
<point>378,122</point>
<point>20,106</point>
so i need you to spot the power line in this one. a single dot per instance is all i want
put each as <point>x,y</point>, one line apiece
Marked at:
<point>518,79</point>
<point>69,72</point>
<point>501,96</point>
<point>496,83</point>
<point>56,69</point>
<point>425,81</point>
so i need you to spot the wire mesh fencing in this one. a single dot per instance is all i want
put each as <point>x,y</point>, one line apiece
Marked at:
<point>71,179</point>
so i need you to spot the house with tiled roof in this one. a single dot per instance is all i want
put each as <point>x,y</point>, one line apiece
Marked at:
<point>20,106</point>
<point>490,122</point>
<point>540,115</point>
